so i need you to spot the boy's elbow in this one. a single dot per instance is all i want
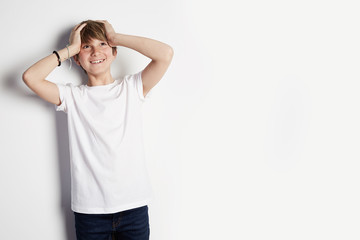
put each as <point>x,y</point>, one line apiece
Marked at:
<point>26,77</point>
<point>169,54</point>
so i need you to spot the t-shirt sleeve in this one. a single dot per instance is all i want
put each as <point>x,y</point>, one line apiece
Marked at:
<point>139,86</point>
<point>62,93</point>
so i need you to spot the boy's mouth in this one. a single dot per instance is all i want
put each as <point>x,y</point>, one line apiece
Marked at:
<point>97,61</point>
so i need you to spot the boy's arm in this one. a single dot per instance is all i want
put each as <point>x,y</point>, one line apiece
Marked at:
<point>160,54</point>
<point>34,76</point>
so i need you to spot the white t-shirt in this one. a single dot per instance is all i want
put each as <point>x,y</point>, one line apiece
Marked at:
<point>108,169</point>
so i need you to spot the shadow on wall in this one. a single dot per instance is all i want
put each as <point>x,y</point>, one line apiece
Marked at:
<point>64,155</point>
<point>14,83</point>
<point>64,173</point>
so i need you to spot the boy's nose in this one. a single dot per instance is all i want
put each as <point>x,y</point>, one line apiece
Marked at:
<point>95,50</point>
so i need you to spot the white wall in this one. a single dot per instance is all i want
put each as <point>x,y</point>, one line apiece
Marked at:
<point>252,134</point>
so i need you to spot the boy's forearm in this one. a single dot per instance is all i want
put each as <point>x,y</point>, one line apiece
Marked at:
<point>41,69</point>
<point>151,48</point>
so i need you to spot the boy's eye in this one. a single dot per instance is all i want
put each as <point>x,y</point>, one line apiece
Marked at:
<point>85,46</point>
<point>103,44</point>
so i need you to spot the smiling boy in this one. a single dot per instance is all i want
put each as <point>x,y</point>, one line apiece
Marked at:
<point>110,188</point>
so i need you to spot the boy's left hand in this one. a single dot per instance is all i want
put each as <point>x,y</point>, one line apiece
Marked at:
<point>110,32</point>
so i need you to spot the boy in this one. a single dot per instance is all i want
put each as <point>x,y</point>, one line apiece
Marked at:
<point>109,184</point>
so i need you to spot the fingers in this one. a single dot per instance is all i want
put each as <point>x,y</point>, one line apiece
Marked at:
<point>75,38</point>
<point>79,27</point>
<point>76,30</point>
<point>105,22</point>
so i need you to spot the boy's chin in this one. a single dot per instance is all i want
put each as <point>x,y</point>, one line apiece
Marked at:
<point>97,70</point>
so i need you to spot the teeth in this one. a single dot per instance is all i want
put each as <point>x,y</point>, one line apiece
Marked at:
<point>97,61</point>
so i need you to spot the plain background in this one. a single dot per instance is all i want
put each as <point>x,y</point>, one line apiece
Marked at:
<point>253,133</point>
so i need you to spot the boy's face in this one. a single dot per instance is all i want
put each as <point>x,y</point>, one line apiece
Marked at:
<point>95,57</point>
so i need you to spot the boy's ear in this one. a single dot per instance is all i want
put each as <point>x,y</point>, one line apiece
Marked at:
<point>76,59</point>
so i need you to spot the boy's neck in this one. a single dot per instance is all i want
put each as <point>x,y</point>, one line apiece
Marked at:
<point>99,80</point>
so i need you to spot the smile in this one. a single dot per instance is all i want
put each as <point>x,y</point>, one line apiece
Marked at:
<point>97,61</point>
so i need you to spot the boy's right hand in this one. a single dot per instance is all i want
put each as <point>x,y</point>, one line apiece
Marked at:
<point>75,39</point>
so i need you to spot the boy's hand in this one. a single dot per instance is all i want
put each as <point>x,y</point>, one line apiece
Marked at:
<point>110,32</point>
<point>75,39</point>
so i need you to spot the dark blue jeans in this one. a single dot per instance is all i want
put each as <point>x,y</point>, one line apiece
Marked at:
<point>131,224</point>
